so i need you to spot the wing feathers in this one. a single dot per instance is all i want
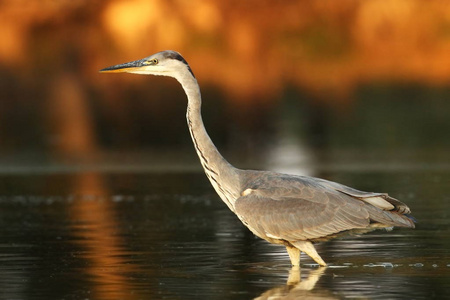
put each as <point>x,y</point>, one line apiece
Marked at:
<point>299,208</point>
<point>380,200</point>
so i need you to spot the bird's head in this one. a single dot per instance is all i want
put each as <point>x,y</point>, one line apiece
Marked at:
<point>165,63</point>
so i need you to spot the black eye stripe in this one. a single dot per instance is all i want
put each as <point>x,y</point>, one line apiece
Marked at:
<point>177,56</point>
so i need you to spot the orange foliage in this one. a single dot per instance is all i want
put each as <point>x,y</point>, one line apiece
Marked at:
<point>251,49</point>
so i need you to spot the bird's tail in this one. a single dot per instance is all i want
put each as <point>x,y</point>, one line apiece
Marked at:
<point>390,218</point>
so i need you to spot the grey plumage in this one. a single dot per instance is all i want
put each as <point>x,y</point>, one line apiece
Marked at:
<point>304,208</point>
<point>282,209</point>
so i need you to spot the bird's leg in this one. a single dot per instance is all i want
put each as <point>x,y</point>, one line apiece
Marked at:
<point>294,275</point>
<point>309,283</point>
<point>294,255</point>
<point>309,249</point>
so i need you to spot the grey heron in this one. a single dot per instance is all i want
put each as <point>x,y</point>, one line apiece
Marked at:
<point>291,210</point>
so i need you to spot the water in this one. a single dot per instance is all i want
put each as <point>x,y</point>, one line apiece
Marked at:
<point>153,235</point>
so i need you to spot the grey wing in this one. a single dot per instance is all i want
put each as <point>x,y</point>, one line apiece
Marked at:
<point>380,200</point>
<point>309,212</point>
<point>289,218</point>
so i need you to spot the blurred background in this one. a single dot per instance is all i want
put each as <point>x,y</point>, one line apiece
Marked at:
<point>284,84</point>
<point>101,191</point>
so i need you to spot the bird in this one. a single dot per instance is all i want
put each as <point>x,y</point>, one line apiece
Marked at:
<point>291,210</point>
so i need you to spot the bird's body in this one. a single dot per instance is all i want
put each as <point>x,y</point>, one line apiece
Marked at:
<point>291,210</point>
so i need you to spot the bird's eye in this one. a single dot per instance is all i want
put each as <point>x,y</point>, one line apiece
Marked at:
<point>153,61</point>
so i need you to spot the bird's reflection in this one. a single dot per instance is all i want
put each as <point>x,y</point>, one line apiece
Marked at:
<point>298,288</point>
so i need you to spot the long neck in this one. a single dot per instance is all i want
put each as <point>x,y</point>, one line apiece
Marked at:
<point>222,175</point>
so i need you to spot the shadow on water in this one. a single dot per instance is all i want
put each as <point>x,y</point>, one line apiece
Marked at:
<point>72,236</point>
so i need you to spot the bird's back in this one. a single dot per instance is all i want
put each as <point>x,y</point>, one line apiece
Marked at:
<point>280,207</point>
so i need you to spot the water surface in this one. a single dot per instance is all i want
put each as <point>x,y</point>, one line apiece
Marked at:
<point>153,235</point>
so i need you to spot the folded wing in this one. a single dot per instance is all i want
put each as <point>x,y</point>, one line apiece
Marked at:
<point>304,208</point>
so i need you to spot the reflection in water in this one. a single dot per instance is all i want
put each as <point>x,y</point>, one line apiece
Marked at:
<point>296,287</point>
<point>93,219</point>
<point>97,232</point>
